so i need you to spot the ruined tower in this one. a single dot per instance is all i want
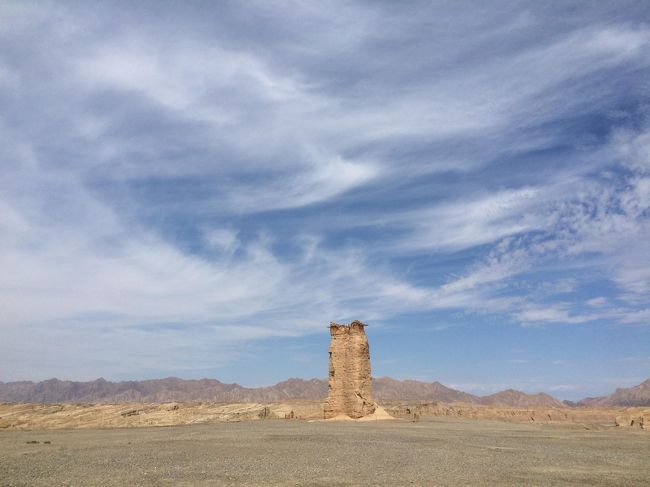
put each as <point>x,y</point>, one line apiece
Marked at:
<point>349,383</point>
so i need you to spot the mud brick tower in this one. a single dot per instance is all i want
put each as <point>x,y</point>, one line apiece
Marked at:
<point>349,383</point>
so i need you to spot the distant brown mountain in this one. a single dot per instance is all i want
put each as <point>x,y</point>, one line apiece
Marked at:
<point>174,389</point>
<point>624,397</point>
<point>514,398</point>
<point>387,389</point>
<point>157,390</point>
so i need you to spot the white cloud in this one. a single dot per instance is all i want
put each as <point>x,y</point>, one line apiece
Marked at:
<point>467,223</point>
<point>322,179</point>
<point>557,313</point>
<point>565,387</point>
<point>635,360</point>
<point>182,76</point>
<point>276,124</point>
<point>598,302</point>
<point>530,387</point>
<point>632,148</point>
<point>637,317</point>
<point>635,281</point>
<point>222,240</point>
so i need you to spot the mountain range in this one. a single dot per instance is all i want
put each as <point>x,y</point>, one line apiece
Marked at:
<point>627,397</point>
<point>385,389</point>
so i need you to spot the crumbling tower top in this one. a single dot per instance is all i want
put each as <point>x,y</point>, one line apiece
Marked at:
<point>355,327</point>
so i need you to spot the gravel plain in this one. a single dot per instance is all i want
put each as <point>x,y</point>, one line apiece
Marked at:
<point>277,452</point>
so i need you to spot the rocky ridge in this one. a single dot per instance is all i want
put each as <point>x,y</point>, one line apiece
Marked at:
<point>172,389</point>
<point>626,397</point>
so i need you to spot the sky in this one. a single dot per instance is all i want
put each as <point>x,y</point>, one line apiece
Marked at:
<point>196,189</point>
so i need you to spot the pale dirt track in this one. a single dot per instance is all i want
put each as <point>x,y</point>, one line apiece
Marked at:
<point>277,452</point>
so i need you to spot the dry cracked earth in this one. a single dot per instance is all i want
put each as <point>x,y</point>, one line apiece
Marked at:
<point>434,451</point>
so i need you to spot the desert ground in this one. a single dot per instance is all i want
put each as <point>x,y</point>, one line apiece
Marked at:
<point>432,451</point>
<point>131,415</point>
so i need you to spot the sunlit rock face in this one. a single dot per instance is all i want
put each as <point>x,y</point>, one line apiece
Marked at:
<point>349,383</point>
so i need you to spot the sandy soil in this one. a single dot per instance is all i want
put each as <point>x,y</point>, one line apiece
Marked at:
<point>54,416</point>
<point>435,451</point>
<point>132,415</point>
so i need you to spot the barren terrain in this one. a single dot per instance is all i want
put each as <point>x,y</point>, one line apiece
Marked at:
<point>288,443</point>
<point>127,415</point>
<point>433,451</point>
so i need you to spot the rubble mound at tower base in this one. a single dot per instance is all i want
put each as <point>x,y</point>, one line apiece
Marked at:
<point>380,414</point>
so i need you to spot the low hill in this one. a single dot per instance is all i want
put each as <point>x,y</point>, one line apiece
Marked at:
<point>514,398</point>
<point>387,389</point>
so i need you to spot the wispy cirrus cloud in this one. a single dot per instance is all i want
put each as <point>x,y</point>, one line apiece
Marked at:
<point>248,174</point>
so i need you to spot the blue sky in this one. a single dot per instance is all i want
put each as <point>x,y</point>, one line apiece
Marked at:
<point>197,189</point>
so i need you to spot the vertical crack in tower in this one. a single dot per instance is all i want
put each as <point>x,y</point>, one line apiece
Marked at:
<point>349,382</point>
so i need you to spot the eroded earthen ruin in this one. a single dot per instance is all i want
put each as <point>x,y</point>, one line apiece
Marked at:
<point>349,383</point>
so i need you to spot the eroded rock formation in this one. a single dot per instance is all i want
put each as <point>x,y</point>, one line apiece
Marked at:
<point>349,383</point>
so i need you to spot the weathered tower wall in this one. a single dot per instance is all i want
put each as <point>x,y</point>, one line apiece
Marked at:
<point>349,383</point>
